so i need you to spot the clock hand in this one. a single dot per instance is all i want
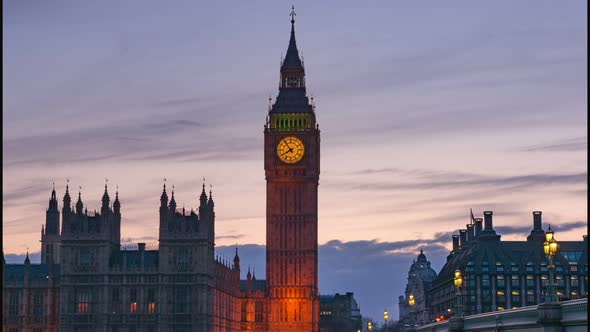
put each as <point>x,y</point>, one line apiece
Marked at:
<point>290,148</point>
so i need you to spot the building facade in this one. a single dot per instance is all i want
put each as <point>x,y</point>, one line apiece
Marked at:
<point>502,275</point>
<point>339,313</point>
<point>420,278</point>
<point>88,282</point>
<point>98,285</point>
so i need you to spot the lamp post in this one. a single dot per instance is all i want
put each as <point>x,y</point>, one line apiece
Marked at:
<point>550,247</point>
<point>458,283</point>
<point>385,317</point>
<point>369,326</point>
<point>411,303</point>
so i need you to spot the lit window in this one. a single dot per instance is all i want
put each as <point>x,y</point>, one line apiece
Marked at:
<point>83,301</point>
<point>151,300</point>
<point>133,300</point>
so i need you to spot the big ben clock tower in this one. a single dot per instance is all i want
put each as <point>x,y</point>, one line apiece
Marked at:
<point>292,169</point>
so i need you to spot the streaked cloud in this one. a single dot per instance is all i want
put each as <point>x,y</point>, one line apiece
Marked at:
<point>566,145</point>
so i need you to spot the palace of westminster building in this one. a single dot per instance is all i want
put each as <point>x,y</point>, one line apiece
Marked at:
<point>87,282</point>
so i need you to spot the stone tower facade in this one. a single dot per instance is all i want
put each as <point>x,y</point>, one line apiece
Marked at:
<point>292,169</point>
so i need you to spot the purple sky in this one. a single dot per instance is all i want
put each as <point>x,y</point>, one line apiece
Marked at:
<point>425,112</point>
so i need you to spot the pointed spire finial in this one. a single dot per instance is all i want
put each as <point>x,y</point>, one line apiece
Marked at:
<point>292,14</point>
<point>164,184</point>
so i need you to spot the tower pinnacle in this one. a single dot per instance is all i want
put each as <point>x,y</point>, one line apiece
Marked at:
<point>292,60</point>
<point>292,14</point>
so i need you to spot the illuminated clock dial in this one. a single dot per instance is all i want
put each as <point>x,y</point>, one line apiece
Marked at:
<point>290,149</point>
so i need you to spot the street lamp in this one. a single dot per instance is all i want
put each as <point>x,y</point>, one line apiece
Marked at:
<point>411,303</point>
<point>369,326</point>
<point>458,283</point>
<point>550,247</point>
<point>385,317</point>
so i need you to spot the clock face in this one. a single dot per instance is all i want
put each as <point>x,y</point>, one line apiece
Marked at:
<point>290,150</point>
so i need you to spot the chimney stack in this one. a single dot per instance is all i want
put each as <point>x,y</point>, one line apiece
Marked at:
<point>470,233</point>
<point>537,224</point>
<point>463,237</point>
<point>455,243</point>
<point>487,215</point>
<point>478,222</point>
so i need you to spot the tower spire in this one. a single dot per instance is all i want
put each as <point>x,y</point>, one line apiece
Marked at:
<point>105,196</point>
<point>117,195</point>
<point>203,197</point>
<point>292,60</point>
<point>79,204</point>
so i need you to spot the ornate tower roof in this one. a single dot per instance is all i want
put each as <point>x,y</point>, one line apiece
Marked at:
<point>292,96</point>
<point>421,257</point>
<point>52,200</point>
<point>237,259</point>
<point>172,200</point>
<point>117,203</point>
<point>203,197</point>
<point>67,198</point>
<point>79,204</point>
<point>164,196</point>
<point>292,60</point>
<point>105,196</point>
